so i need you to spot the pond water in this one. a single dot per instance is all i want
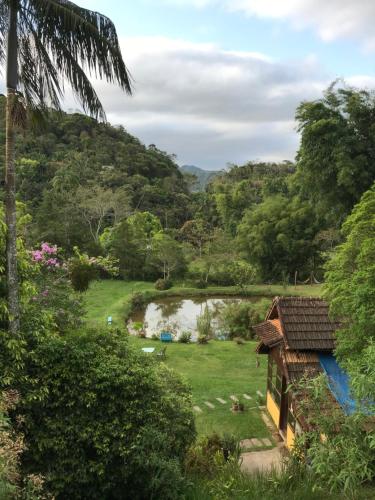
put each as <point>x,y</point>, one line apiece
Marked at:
<point>180,315</point>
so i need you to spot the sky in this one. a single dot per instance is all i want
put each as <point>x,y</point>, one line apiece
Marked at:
<point>218,81</point>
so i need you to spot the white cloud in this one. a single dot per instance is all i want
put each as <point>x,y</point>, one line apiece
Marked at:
<point>331,19</point>
<point>211,106</point>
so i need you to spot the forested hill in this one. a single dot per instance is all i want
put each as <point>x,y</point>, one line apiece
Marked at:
<point>203,176</point>
<point>77,162</point>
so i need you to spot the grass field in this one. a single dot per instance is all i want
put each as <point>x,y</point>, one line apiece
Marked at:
<point>108,298</point>
<point>217,370</point>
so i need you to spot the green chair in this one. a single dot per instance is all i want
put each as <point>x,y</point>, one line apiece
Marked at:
<point>162,353</point>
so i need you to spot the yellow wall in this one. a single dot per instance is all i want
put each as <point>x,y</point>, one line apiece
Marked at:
<point>290,437</point>
<point>273,409</point>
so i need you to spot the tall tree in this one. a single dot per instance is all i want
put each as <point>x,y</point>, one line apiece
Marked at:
<point>43,43</point>
<point>336,158</point>
<point>350,289</point>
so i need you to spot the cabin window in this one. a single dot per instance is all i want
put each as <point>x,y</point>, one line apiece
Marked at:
<point>274,381</point>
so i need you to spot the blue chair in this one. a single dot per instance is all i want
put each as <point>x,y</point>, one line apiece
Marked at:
<point>166,337</point>
<point>109,320</point>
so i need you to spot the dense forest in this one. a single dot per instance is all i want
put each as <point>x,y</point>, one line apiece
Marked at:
<point>93,186</point>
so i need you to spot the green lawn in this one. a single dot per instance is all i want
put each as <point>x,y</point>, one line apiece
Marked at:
<point>108,298</point>
<point>217,370</point>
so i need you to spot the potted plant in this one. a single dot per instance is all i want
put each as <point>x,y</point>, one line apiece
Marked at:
<point>238,406</point>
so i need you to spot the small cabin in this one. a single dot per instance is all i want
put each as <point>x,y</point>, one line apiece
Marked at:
<point>298,338</point>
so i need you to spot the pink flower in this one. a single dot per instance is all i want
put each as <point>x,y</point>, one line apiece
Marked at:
<point>45,293</point>
<point>49,250</point>
<point>52,262</point>
<point>37,255</point>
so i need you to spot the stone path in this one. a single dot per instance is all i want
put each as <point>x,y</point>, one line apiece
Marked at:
<point>265,460</point>
<point>247,444</point>
<point>221,401</point>
<point>210,405</point>
<point>233,398</point>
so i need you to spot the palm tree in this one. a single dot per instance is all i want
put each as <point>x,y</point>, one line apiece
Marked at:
<point>44,43</point>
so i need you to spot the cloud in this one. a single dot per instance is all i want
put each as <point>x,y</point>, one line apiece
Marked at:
<point>331,19</point>
<point>211,106</point>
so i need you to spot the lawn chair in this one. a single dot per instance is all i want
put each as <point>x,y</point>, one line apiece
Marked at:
<point>109,321</point>
<point>166,337</point>
<point>162,353</point>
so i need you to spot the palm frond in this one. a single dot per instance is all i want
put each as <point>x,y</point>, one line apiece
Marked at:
<point>3,31</point>
<point>69,38</point>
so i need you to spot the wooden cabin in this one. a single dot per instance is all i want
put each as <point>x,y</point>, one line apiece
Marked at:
<point>298,338</point>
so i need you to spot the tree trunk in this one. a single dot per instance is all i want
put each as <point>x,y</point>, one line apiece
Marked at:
<point>10,176</point>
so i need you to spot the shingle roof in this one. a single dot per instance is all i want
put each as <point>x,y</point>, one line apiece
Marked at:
<point>305,323</point>
<point>269,332</point>
<point>301,363</point>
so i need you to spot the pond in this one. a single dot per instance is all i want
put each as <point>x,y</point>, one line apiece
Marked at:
<point>180,315</point>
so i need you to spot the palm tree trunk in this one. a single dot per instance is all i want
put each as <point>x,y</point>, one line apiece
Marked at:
<point>10,177</point>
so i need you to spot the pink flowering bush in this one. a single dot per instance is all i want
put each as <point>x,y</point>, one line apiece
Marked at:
<point>55,292</point>
<point>84,269</point>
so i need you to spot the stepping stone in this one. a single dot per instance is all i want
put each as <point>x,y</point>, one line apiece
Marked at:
<point>234,398</point>
<point>246,396</point>
<point>197,409</point>
<point>266,442</point>
<point>221,401</point>
<point>256,443</point>
<point>261,407</point>
<point>260,394</point>
<point>210,405</point>
<point>267,421</point>
<point>246,444</point>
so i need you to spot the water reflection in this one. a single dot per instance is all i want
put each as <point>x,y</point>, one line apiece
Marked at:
<point>180,315</point>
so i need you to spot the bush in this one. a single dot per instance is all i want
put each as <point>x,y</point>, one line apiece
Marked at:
<point>239,340</point>
<point>137,301</point>
<point>237,319</point>
<point>203,339</point>
<point>204,326</point>
<point>81,274</point>
<point>162,284</point>
<point>185,338</point>
<point>107,419</point>
<point>201,284</point>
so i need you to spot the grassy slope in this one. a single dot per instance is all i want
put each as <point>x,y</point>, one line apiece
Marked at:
<point>108,298</point>
<point>216,370</point>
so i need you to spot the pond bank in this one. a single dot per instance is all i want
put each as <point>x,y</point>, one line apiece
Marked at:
<point>111,297</point>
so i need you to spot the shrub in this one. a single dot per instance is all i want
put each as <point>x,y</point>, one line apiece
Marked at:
<point>201,284</point>
<point>204,326</point>
<point>203,339</point>
<point>107,418</point>
<point>137,301</point>
<point>162,284</point>
<point>237,319</point>
<point>185,338</point>
<point>239,340</point>
<point>81,274</point>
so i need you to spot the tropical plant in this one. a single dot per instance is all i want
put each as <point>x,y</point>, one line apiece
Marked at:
<point>43,43</point>
<point>54,292</point>
<point>204,325</point>
<point>350,289</point>
<point>163,284</point>
<point>145,430</point>
<point>184,338</point>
